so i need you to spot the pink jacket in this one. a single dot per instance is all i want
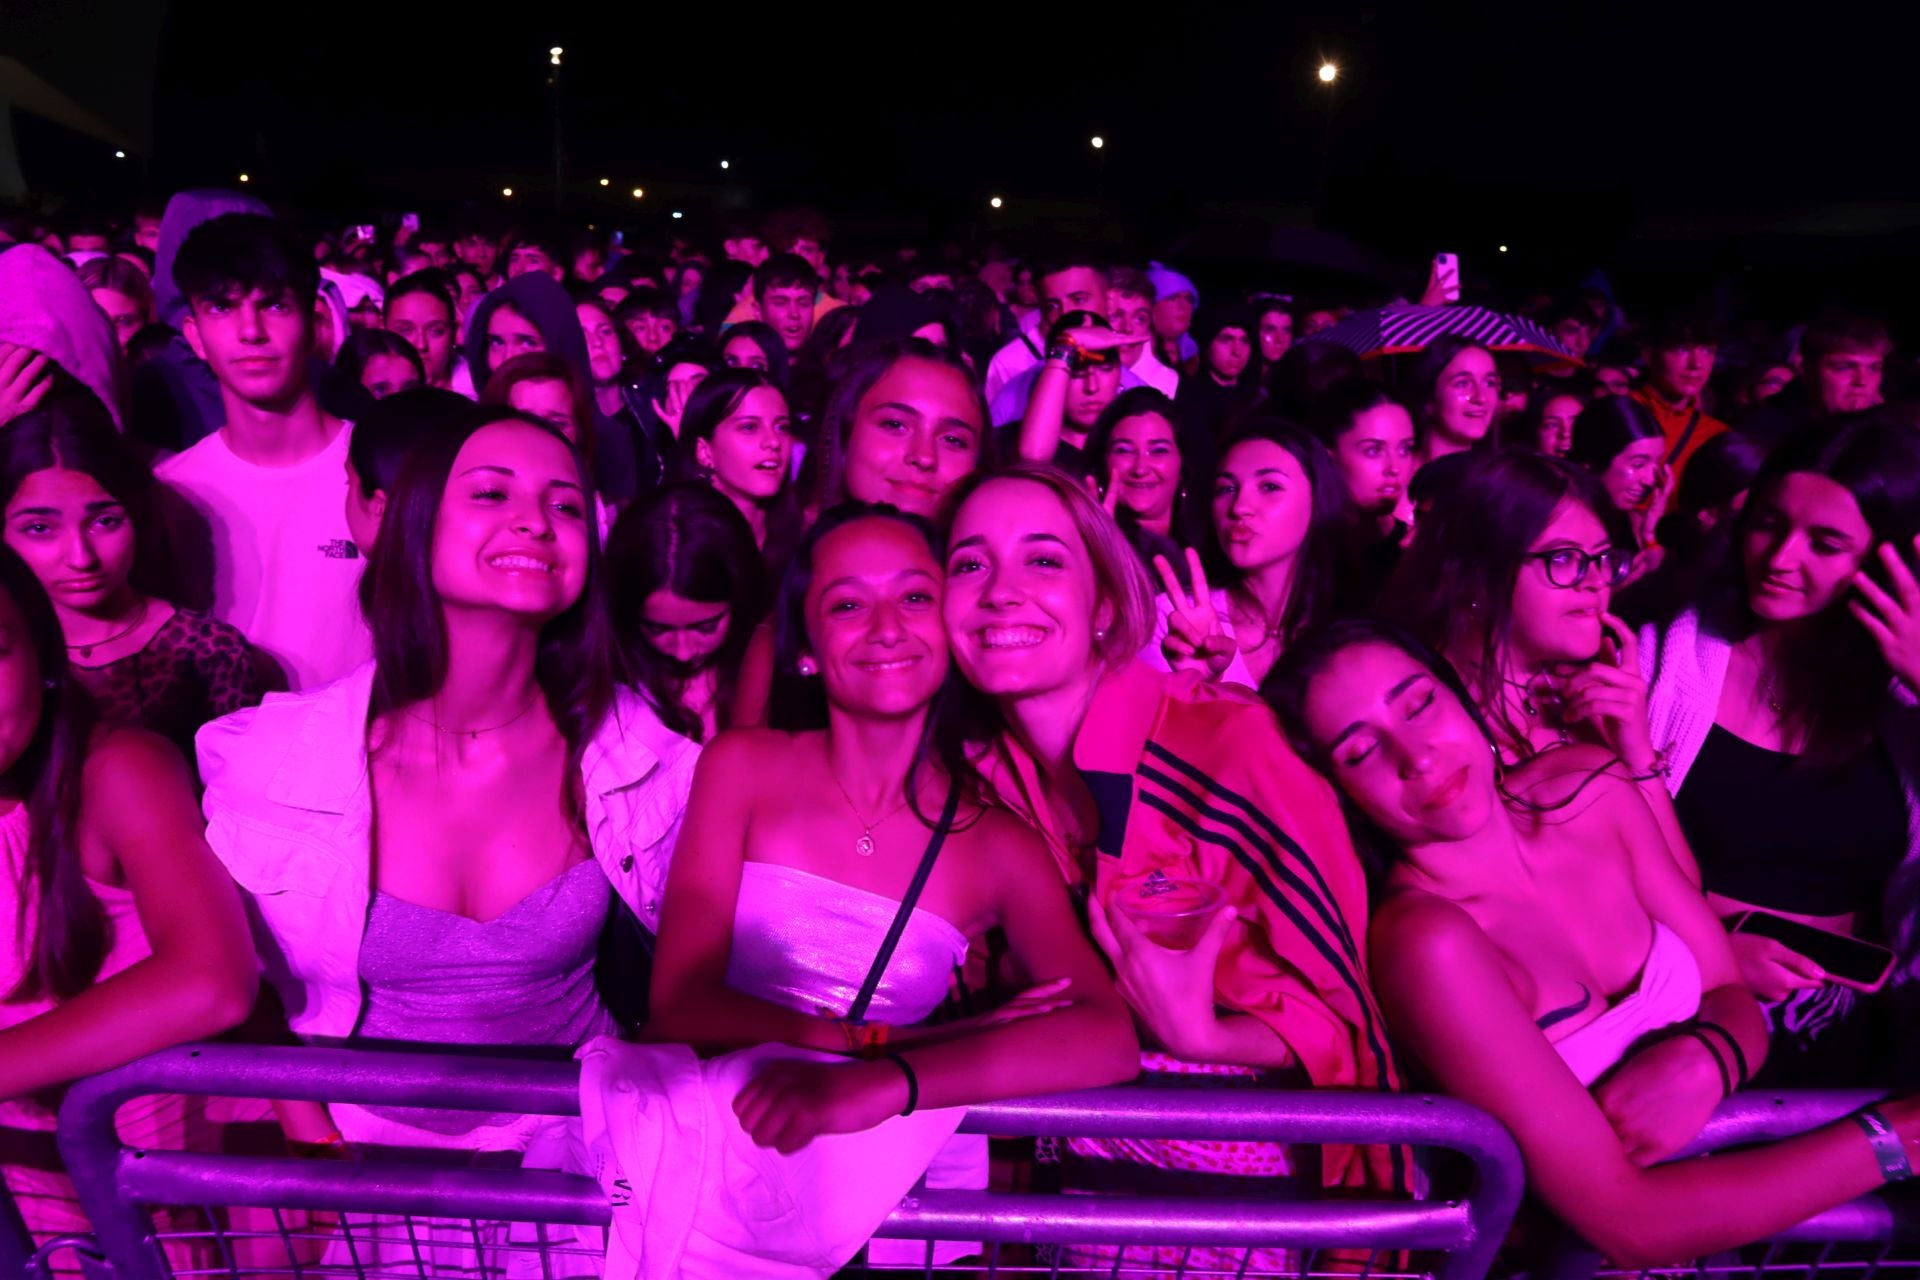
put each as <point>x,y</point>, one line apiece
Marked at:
<point>290,813</point>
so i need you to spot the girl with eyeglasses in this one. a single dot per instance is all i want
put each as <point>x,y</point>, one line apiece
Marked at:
<point>1510,578</point>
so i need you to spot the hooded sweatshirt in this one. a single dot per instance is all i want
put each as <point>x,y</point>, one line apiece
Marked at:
<point>549,309</point>
<point>176,398</point>
<point>44,307</point>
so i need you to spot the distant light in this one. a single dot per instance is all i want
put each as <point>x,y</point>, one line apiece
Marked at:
<point>606,182</point>
<point>245,178</point>
<point>995,202</point>
<point>119,155</point>
<point>1503,248</point>
<point>507,192</point>
<point>555,52</point>
<point>1329,73</point>
<point>1098,142</point>
<point>678,214</point>
<point>639,193</point>
<point>726,164</point>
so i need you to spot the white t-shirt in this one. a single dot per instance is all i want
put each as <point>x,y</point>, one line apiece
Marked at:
<point>284,567</point>
<point>1009,362</point>
<point>1153,371</point>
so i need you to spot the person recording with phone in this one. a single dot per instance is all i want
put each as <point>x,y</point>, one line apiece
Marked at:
<point>1783,706</point>
<point>1076,382</point>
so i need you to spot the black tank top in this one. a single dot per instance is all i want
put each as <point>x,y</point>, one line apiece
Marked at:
<point>1779,833</point>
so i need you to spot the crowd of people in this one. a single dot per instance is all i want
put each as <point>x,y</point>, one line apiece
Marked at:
<point>977,677</point>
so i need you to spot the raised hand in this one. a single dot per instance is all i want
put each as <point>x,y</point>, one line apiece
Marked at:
<point>1610,694</point>
<point>1194,641</point>
<point>1892,618</point>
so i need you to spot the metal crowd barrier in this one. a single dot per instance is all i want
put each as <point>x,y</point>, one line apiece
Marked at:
<point>1863,1239</point>
<point>118,1185</point>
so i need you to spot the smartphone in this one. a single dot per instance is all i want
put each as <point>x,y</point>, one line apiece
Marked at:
<point>1446,269</point>
<point>1849,961</point>
<point>411,221</point>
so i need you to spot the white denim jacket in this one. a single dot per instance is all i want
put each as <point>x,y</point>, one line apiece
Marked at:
<point>290,812</point>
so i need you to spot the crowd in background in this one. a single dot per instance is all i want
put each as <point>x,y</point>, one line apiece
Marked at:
<point>981,676</point>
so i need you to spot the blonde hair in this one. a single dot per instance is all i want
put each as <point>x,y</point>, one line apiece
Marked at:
<point>1120,581</point>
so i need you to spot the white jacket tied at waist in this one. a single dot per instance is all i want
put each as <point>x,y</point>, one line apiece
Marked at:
<point>290,812</point>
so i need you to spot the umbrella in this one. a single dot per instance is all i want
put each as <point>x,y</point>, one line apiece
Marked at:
<point>1398,331</point>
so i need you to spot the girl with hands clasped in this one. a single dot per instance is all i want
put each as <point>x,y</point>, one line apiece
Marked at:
<point>805,841</point>
<point>1279,517</point>
<point>1784,703</point>
<point>1590,1002</point>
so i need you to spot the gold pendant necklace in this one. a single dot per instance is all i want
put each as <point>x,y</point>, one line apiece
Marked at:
<point>864,846</point>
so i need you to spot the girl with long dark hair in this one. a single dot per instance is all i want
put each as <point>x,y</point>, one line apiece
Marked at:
<point>737,436</point>
<point>1280,529</point>
<point>1620,442</point>
<point>119,933</point>
<point>1133,455</point>
<point>857,813</point>
<point>689,587</point>
<point>78,506</point>
<point>1783,707</point>
<point>463,802</point>
<point>1589,999</point>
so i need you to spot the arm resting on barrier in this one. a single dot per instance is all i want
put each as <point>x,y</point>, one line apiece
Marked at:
<point>1446,991</point>
<point>138,825</point>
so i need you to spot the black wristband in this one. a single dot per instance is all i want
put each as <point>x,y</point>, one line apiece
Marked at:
<point>1741,1073</point>
<point>913,1082</point>
<point>1719,1064</point>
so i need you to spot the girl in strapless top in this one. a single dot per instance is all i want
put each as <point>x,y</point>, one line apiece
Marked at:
<point>803,840</point>
<point>1544,958</point>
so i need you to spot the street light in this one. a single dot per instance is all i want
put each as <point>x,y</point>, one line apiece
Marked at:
<point>507,192</point>
<point>553,55</point>
<point>678,215</point>
<point>1098,142</point>
<point>1503,248</point>
<point>606,182</point>
<point>1329,73</point>
<point>995,202</point>
<point>639,193</point>
<point>726,164</point>
<point>119,155</point>
<point>245,178</point>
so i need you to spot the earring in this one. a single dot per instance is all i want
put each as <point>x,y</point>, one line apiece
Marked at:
<point>1100,634</point>
<point>807,667</point>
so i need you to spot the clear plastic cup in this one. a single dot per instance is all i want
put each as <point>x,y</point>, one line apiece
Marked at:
<point>1172,913</point>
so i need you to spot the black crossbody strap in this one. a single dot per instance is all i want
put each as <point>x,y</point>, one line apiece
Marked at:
<point>1686,434</point>
<point>858,1011</point>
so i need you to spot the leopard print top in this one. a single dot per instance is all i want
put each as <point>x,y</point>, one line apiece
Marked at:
<point>195,669</point>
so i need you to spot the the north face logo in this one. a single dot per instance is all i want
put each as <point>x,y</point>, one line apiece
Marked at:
<point>340,549</point>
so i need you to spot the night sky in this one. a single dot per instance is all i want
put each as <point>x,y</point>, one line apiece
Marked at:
<point>1574,136</point>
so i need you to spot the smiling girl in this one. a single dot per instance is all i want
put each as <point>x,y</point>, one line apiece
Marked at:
<point>1792,751</point>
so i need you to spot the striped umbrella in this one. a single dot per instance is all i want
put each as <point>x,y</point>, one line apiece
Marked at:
<point>1398,331</point>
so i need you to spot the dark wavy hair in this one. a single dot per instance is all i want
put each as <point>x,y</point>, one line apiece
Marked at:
<point>824,479</point>
<point>798,703</point>
<point>1424,380</point>
<point>763,336</point>
<point>1453,587</point>
<point>74,433</point>
<point>691,540</point>
<point>52,902</point>
<point>1324,559</point>
<point>1607,427</point>
<point>1834,683</point>
<point>1285,690</point>
<point>1133,403</point>
<point>574,660</point>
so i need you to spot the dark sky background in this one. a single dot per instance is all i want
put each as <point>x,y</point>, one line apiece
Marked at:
<point>1672,135</point>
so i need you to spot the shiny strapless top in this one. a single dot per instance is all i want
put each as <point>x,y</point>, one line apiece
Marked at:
<point>1668,992</point>
<point>806,942</point>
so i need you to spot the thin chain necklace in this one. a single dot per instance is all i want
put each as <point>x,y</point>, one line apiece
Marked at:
<point>1269,631</point>
<point>475,733</point>
<point>139,616</point>
<point>864,846</point>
